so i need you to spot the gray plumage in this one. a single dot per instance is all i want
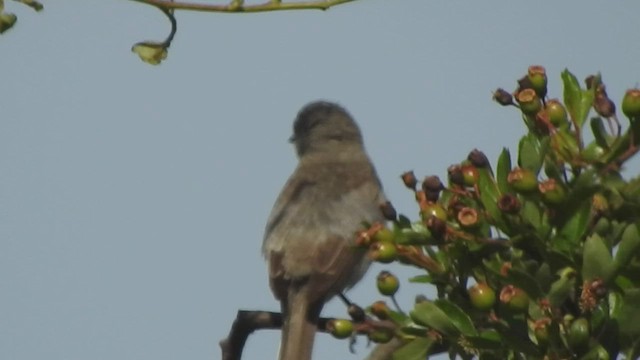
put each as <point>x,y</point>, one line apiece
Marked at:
<point>309,237</point>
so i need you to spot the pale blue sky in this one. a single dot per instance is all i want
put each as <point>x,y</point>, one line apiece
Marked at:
<point>133,198</point>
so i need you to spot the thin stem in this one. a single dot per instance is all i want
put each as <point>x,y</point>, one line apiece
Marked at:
<point>174,26</point>
<point>233,8</point>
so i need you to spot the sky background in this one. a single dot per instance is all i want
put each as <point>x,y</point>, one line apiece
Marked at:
<point>133,198</point>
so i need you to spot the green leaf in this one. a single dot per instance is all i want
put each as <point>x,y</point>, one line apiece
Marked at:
<point>459,318</point>
<point>629,316</point>
<point>524,281</point>
<point>487,340</point>
<point>404,221</point>
<point>35,5</point>
<point>565,145</point>
<point>428,314</point>
<point>489,196</point>
<point>531,152</point>
<point>600,133</point>
<point>596,261</point>
<point>502,170</point>
<point>7,20</point>
<point>421,279</point>
<point>517,338</point>
<point>629,246</point>
<point>570,235</point>
<point>577,101</point>
<point>417,349</point>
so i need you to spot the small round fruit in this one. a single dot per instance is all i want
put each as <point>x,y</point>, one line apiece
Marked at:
<point>631,103</point>
<point>538,78</point>
<point>383,251</point>
<point>387,283</point>
<point>529,101</point>
<point>578,336</point>
<point>552,192</point>
<point>469,175</point>
<point>380,336</point>
<point>433,209</point>
<point>383,235</point>
<point>380,310</point>
<point>557,113</point>
<point>522,180</point>
<point>515,299</point>
<point>541,331</point>
<point>340,328</point>
<point>482,296</point>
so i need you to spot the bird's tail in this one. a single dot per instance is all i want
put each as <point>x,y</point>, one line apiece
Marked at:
<point>299,327</point>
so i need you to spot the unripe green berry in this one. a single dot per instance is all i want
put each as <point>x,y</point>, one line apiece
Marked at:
<point>592,152</point>
<point>383,235</point>
<point>340,328</point>
<point>383,251</point>
<point>433,209</point>
<point>482,296</point>
<point>515,299</point>
<point>538,79</point>
<point>529,102</point>
<point>552,192</point>
<point>578,336</point>
<point>631,103</point>
<point>541,331</point>
<point>387,283</point>
<point>380,310</point>
<point>380,336</point>
<point>469,175</point>
<point>522,180</point>
<point>557,113</point>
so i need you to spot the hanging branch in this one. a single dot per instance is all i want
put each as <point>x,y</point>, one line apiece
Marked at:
<point>237,6</point>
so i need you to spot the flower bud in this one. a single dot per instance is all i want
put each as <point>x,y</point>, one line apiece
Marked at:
<point>502,97</point>
<point>409,180</point>
<point>604,106</point>
<point>478,159</point>
<point>388,211</point>
<point>455,175</point>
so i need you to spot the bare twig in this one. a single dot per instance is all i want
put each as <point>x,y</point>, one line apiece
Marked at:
<point>237,7</point>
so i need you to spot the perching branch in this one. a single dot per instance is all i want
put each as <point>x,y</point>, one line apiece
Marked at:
<point>248,321</point>
<point>237,6</point>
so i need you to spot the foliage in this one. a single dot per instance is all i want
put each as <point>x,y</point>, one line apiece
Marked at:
<point>537,259</point>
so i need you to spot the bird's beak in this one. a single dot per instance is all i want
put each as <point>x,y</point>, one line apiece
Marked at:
<point>292,139</point>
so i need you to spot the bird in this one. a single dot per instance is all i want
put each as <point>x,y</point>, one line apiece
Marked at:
<point>309,241</point>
